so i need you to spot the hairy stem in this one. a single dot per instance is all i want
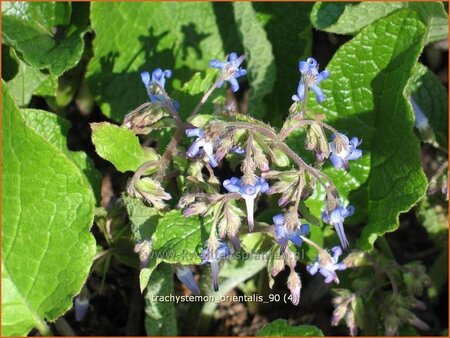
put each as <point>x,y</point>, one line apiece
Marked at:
<point>167,156</point>
<point>206,96</point>
<point>292,154</point>
<point>301,164</point>
<point>168,102</point>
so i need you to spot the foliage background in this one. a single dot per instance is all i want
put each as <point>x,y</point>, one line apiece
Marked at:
<point>65,66</point>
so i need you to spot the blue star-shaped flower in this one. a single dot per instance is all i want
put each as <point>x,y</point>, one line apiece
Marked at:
<point>283,235</point>
<point>347,151</point>
<point>310,78</point>
<point>327,265</point>
<point>336,219</point>
<point>155,82</point>
<point>230,70</point>
<point>201,142</point>
<point>249,192</point>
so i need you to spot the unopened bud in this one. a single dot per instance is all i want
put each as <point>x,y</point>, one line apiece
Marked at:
<point>143,249</point>
<point>198,208</point>
<point>294,285</point>
<point>290,259</point>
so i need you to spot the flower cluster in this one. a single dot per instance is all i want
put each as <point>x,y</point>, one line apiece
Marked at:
<point>261,147</point>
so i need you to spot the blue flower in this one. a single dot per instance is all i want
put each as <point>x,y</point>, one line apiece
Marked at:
<point>342,152</point>
<point>185,275</point>
<point>336,218</point>
<point>81,307</point>
<point>230,70</point>
<point>238,150</point>
<point>283,235</point>
<point>248,192</point>
<point>222,252</point>
<point>327,265</point>
<point>421,121</point>
<point>154,83</point>
<point>311,78</point>
<point>201,142</point>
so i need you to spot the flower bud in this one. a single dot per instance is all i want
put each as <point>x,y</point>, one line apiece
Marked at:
<point>198,208</point>
<point>294,285</point>
<point>290,259</point>
<point>152,192</point>
<point>144,118</point>
<point>277,266</point>
<point>143,249</point>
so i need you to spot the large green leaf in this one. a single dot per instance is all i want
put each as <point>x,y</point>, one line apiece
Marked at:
<point>160,317</point>
<point>144,219</point>
<point>48,208</point>
<point>281,328</point>
<point>431,96</point>
<point>29,81</point>
<point>54,130</point>
<point>179,239</point>
<point>120,146</point>
<point>350,18</point>
<point>43,35</point>
<point>260,59</point>
<point>365,98</point>
<point>176,35</point>
<point>290,32</point>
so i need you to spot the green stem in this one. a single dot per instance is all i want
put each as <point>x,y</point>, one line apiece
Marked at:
<point>206,96</point>
<point>43,328</point>
<point>384,247</point>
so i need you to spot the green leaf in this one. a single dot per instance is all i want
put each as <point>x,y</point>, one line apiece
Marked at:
<point>10,66</point>
<point>290,32</point>
<point>281,328</point>
<point>365,98</point>
<point>260,59</point>
<point>29,81</point>
<point>30,28</point>
<point>144,219</point>
<point>120,146</point>
<point>350,18</point>
<point>46,15</point>
<point>54,130</point>
<point>179,36</point>
<point>160,317</point>
<point>145,273</point>
<point>431,96</point>
<point>179,239</point>
<point>48,209</point>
